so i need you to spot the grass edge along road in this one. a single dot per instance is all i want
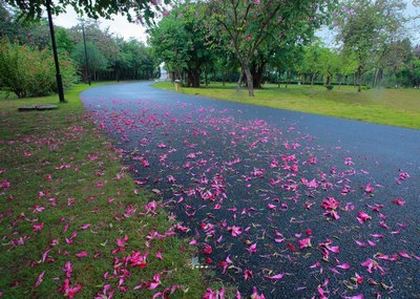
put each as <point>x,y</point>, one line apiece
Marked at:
<point>72,220</point>
<point>395,107</point>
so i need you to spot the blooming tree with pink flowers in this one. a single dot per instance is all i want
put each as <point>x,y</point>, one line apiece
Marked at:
<point>248,24</point>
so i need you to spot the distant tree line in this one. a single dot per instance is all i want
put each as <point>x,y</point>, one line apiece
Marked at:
<point>109,57</point>
<point>250,42</point>
<point>259,41</point>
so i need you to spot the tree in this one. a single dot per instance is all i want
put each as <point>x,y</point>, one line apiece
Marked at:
<point>64,41</point>
<point>135,58</point>
<point>181,41</point>
<point>29,32</point>
<point>396,57</point>
<point>247,23</point>
<point>348,64</point>
<point>97,61</point>
<point>124,59</point>
<point>311,63</point>
<point>413,72</point>
<point>365,26</point>
<point>27,71</point>
<point>287,60</point>
<point>329,65</point>
<point>8,26</point>
<point>168,42</point>
<point>225,65</point>
<point>104,40</point>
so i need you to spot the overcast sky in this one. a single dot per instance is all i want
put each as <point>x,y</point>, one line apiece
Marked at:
<point>121,27</point>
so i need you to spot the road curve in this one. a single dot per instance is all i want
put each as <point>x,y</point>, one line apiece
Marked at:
<point>283,203</point>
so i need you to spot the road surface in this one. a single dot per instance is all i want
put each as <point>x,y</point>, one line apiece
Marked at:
<point>288,204</point>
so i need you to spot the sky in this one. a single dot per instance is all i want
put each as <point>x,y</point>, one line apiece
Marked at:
<point>121,27</point>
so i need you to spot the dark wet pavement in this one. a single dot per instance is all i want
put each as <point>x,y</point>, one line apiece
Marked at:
<point>238,175</point>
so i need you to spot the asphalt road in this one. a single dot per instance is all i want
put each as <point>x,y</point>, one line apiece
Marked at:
<point>274,197</point>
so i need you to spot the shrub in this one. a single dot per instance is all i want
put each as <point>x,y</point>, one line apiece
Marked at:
<point>29,72</point>
<point>329,87</point>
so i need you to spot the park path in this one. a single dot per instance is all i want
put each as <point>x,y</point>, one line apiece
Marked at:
<point>284,203</point>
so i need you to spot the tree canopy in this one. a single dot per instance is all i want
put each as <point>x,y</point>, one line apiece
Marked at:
<point>110,57</point>
<point>134,10</point>
<point>250,42</point>
<point>181,40</point>
<point>365,27</point>
<point>248,24</point>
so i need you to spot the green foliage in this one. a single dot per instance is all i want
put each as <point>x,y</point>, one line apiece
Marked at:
<point>64,41</point>
<point>30,72</point>
<point>413,71</point>
<point>110,57</point>
<point>311,64</point>
<point>289,60</point>
<point>133,10</point>
<point>169,42</point>
<point>250,24</point>
<point>218,40</point>
<point>7,26</point>
<point>329,64</point>
<point>366,27</point>
<point>134,60</point>
<point>97,61</point>
<point>34,33</point>
<point>348,63</point>
<point>181,41</point>
<point>103,39</point>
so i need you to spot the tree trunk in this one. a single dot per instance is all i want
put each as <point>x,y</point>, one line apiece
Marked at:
<point>249,81</point>
<point>380,77</point>
<point>312,79</point>
<point>257,71</point>
<point>359,79</point>
<point>239,80</point>
<point>257,79</point>
<point>189,79</point>
<point>193,78</point>
<point>196,78</point>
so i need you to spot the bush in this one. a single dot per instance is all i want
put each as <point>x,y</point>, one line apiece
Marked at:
<point>29,72</point>
<point>329,87</point>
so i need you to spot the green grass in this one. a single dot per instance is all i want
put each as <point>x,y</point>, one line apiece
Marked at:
<point>397,107</point>
<point>32,146</point>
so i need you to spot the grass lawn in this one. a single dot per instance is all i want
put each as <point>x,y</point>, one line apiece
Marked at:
<point>65,197</point>
<point>397,107</point>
